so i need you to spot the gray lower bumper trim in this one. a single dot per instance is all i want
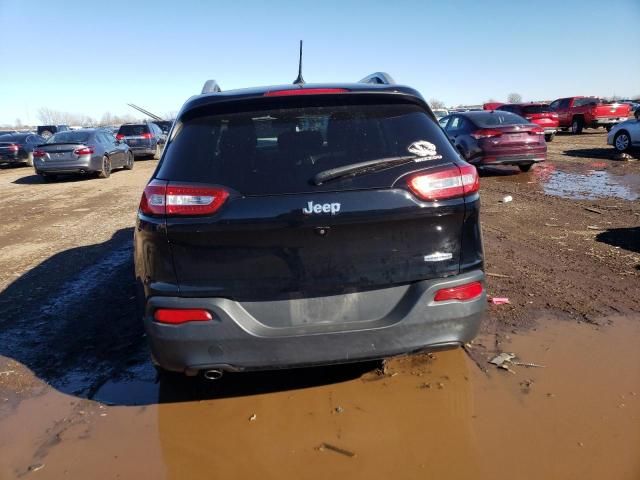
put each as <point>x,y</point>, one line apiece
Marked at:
<point>237,341</point>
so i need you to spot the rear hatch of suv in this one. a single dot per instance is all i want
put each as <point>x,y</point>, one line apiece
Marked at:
<point>285,224</point>
<point>136,136</point>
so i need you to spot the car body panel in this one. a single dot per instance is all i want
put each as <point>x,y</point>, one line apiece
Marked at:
<point>591,113</point>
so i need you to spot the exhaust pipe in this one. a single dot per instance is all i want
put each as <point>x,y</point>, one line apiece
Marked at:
<point>213,374</point>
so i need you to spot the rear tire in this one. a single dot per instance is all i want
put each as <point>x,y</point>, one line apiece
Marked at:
<point>105,172</point>
<point>577,124</point>
<point>29,160</point>
<point>130,161</point>
<point>622,141</point>
<point>549,137</point>
<point>525,167</point>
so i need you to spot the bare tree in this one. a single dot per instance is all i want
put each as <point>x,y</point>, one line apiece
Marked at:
<point>514,98</point>
<point>436,104</point>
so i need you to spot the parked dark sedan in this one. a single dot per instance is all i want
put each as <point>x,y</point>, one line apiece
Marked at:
<point>496,138</point>
<point>144,139</point>
<point>18,147</point>
<point>85,151</point>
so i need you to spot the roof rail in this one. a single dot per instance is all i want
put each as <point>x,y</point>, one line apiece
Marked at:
<point>211,86</point>
<point>378,78</point>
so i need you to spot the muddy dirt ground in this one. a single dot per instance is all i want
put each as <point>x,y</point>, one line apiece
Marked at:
<point>79,398</point>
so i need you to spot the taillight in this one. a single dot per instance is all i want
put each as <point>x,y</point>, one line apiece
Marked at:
<point>444,183</point>
<point>153,198</point>
<point>13,148</point>
<point>175,316</point>
<point>119,136</point>
<point>304,91</point>
<point>83,151</point>
<point>461,293</point>
<point>162,198</point>
<point>39,154</point>
<point>536,131</point>
<point>147,135</point>
<point>486,133</point>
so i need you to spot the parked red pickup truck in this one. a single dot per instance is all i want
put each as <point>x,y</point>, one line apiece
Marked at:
<point>588,112</point>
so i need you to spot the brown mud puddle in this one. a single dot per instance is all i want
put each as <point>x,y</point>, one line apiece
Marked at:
<point>426,416</point>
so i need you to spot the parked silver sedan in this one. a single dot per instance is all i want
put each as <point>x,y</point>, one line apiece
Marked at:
<point>84,151</point>
<point>625,136</point>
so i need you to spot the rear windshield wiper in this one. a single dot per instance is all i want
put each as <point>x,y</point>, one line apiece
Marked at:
<point>360,168</point>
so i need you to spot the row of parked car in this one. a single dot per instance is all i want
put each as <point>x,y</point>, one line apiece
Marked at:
<point>95,151</point>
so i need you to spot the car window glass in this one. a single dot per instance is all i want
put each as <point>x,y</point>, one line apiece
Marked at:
<point>279,150</point>
<point>443,122</point>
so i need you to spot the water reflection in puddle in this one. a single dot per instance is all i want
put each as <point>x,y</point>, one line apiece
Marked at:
<point>587,183</point>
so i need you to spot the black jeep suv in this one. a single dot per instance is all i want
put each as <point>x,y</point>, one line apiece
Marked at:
<point>307,224</point>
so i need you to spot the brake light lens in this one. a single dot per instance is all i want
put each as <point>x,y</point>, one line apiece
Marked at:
<point>119,136</point>
<point>174,316</point>
<point>461,293</point>
<point>163,198</point>
<point>304,91</point>
<point>147,135</point>
<point>486,133</point>
<point>84,151</point>
<point>445,183</point>
<point>536,131</point>
<point>12,148</point>
<point>39,154</point>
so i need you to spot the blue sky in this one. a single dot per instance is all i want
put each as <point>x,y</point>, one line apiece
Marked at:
<point>91,57</point>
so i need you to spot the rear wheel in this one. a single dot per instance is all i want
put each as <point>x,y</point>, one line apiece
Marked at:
<point>105,172</point>
<point>549,137</point>
<point>129,163</point>
<point>525,167</point>
<point>622,141</point>
<point>577,125</point>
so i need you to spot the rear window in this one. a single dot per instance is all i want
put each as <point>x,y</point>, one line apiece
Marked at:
<point>497,118</point>
<point>280,151</point>
<point>536,109</point>
<point>131,130</point>
<point>580,102</point>
<point>70,137</point>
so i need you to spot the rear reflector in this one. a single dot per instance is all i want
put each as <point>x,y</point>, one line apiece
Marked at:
<point>177,316</point>
<point>162,198</point>
<point>304,91</point>
<point>486,133</point>
<point>83,151</point>
<point>444,183</point>
<point>461,293</point>
<point>39,153</point>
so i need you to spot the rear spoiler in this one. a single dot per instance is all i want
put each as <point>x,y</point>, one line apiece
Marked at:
<point>378,78</point>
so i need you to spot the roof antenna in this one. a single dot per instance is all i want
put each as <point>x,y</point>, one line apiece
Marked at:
<point>299,80</point>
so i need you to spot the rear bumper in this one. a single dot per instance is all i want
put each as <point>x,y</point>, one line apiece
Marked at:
<point>236,341</point>
<point>510,159</point>
<point>12,158</point>
<point>81,165</point>
<point>142,150</point>
<point>603,122</point>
